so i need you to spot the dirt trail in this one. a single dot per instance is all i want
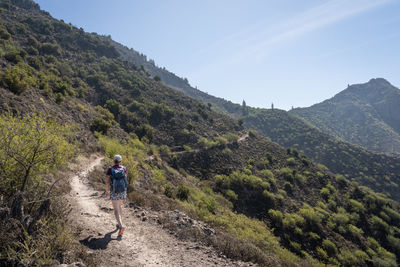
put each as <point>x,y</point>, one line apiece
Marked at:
<point>143,243</point>
<point>243,137</point>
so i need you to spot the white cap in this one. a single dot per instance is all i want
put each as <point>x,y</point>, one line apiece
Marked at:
<point>118,158</point>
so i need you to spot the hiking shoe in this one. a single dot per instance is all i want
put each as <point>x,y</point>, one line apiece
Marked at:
<point>118,226</point>
<point>121,231</point>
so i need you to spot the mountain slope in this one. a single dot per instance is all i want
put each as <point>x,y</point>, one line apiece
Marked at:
<point>377,171</point>
<point>183,155</point>
<point>364,114</point>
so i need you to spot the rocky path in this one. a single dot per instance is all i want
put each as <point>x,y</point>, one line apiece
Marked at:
<point>144,243</point>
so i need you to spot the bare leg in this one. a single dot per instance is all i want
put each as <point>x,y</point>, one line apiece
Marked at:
<point>120,202</point>
<point>117,212</point>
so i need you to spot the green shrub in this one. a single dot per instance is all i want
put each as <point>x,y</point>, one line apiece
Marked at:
<point>312,218</point>
<point>354,231</point>
<point>329,247</point>
<point>292,220</point>
<point>165,151</point>
<point>4,34</point>
<point>325,193</point>
<point>221,140</point>
<point>276,216</point>
<point>269,176</point>
<point>113,106</point>
<point>356,206</point>
<point>145,131</point>
<point>252,133</point>
<point>168,192</point>
<point>38,145</point>
<point>226,151</point>
<point>205,143</point>
<point>288,187</point>
<point>231,195</point>
<point>296,247</point>
<point>347,258</point>
<point>314,237</point>
<point>13,56</point>
<point>100,125</point>
<point>378,225</point>
<point>183,193</point>
<point>291,161</point>
<point>231,137</point>
<point>300,178</point>
<point>158,176</point>
<point>60,98</point>
<point>18,78</point>
<point>50,49</point>
<point>269,197</point>
<point>394,243</point>
<point>321,254</point>
<point>34,62</point>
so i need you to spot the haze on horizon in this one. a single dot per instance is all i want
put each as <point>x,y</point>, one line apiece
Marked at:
<point>285,52</point>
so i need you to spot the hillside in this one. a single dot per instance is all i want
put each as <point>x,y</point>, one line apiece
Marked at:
<point>364,114</point>
<point>267,204</point>
<point>172,80</point>
<point>377,171</point>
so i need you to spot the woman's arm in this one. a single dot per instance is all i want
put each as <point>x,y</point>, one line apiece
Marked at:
<point>126,178</point>
<point>108,182</point>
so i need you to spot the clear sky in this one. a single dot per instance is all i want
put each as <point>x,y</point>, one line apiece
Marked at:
<point>289,52</point>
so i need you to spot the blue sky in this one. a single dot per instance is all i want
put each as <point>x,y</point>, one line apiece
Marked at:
<point>289,52</point>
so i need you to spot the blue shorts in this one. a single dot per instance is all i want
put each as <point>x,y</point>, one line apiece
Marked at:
<point>118,196</point>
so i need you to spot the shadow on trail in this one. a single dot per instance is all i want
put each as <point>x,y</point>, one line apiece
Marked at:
<point>99,243</point>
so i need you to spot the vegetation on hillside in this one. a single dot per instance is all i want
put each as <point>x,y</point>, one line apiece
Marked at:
<point>33,231</point>
<point>378,171</point>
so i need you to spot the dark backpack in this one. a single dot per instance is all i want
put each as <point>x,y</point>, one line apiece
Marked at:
<point>118,179</point>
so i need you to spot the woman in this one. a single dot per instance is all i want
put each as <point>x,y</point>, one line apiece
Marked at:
<point>118,182</point>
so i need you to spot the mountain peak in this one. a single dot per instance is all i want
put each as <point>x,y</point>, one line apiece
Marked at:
<point>376,83</point>
<point>379,81</point>
<point>374,89</point>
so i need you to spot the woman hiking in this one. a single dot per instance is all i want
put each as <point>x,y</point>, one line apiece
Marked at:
<point>118,182</point>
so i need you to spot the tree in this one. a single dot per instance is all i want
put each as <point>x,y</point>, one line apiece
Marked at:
<point>29,148</point>
<point>113,106</point>
<point>245,109</point>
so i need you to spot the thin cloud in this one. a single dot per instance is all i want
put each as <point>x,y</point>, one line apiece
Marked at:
<point>313,19</point>
<point>257,44</point>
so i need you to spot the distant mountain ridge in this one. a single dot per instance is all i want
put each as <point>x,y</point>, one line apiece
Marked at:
<point>364,114</point>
